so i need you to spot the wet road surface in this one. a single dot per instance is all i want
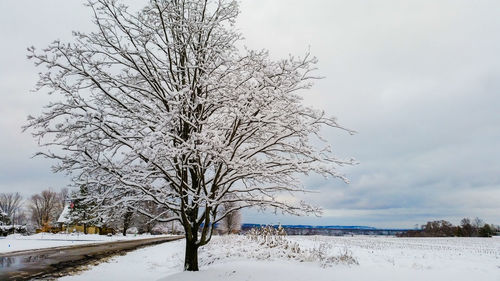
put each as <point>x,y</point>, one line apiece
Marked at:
<point>43,263</point>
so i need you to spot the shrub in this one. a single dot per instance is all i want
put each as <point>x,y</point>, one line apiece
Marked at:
<point>271,243</point>
<point>11,229</point>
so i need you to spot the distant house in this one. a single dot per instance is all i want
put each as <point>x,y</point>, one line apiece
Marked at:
<point>64,218</point>
<point>66,224</point>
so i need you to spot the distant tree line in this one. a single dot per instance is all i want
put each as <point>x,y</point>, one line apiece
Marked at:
<point>442,228</point>
<point>39,211</point>
<point>42,211</point>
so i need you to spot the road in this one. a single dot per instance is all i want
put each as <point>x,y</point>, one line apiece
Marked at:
<point>50,262</point>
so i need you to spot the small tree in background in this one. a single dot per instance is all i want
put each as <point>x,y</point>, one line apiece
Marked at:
<point>231,220</point>
<point>63,197</point>
<point>145,223</point>
<point>486,231</point>
<point>477,224</point>
<point>466,227</point>
<point>127,219</point>
<point>45,208</point>
<point>11,204</point>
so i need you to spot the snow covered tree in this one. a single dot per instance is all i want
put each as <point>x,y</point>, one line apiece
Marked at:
<point>161,106</point>
<point>82,210</point>
<point>114,207</point>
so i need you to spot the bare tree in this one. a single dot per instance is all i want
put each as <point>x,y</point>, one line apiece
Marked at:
<point>160,106</point>
<point>11,205</point>
<point>477,224</point>
<point>63,196</point>
<point>146,223</point>
<point>44,208</point>
<point>231,222</point>
<point>466,227</point>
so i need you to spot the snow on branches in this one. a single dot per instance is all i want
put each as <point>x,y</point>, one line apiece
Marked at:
<point>161,106</point>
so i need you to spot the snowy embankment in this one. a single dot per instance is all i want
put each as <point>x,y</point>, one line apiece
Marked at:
<point>17,242</point>
<point>238,258</point>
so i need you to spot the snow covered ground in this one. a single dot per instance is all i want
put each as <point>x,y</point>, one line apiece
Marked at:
<point>237,258</point>
<point>17,242</point>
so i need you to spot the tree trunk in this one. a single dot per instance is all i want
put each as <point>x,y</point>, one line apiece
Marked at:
<point>84,224</point>
<point>126,222</point>
<point>191,258</point>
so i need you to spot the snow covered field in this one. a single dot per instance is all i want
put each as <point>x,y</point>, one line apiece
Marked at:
<point>237,258</point>
<point>19,242</point>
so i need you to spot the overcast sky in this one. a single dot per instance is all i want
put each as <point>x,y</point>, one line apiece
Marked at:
<point>419,80</point>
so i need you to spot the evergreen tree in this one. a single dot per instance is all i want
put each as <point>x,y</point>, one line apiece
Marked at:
<point>4,219</point>
<point>81,210</point>
<point>486,231</point>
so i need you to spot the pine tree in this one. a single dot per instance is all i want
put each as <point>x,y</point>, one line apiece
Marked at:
<point>81,210</point>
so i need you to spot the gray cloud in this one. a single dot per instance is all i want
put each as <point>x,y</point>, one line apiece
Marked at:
<point>417,79</point>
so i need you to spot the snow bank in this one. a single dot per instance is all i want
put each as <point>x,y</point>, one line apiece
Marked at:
<point>17,242</point>
<point>150,263</point>
<point>292,271</point>
<point>273,248</point>
<point>380,258</point>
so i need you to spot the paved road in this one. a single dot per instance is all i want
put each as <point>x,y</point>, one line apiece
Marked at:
<point>30,264</point>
